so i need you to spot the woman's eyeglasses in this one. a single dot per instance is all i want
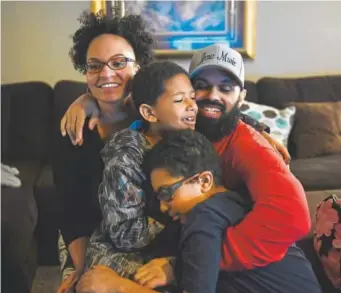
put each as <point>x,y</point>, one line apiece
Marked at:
<point>115,63</point>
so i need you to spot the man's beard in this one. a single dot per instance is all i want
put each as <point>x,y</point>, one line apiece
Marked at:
<point>215,129</point>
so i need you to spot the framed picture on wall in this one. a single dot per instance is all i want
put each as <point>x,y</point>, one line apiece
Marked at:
<point>183,26</point>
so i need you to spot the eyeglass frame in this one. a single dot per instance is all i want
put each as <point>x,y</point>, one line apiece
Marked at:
<point>126,59</point>
<point>172,188</point>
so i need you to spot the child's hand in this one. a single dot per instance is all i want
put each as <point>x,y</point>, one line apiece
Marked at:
<point>156,273</point>
<point>99,279</point>
<point>69,283</point>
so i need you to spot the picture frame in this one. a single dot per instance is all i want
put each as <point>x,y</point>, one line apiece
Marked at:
<point>183,26</point>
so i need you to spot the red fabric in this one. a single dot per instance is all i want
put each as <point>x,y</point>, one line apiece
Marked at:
<point>280,215</point>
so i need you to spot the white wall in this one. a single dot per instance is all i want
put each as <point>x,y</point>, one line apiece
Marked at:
<point>36,38</point>
<point>293,38</point>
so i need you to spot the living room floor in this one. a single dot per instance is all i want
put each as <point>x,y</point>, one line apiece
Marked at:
<point>47,279</point>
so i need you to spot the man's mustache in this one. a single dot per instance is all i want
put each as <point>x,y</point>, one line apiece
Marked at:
<point>207,102</point>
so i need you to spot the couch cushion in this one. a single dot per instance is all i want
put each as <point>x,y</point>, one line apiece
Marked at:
<point>279,92</point>
<point>327,237</point>
<point>252,95</point>
<point>317,129</point>
<point>18,251</point>
<point>47,228</point>
<point>29,171</point>
<point>318,173</point>
<point>314,198</point>
<point>280,122</point>
<point>5,120</point>
<point>30,128</point>
<point>65,92</point>
<point>306,245</point>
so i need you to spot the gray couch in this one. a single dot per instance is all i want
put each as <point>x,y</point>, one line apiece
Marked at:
<point>31,113</point>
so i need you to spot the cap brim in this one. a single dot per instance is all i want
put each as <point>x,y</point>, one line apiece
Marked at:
<point>199,69</point>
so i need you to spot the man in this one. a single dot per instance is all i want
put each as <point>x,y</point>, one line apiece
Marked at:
<point>280,213</point>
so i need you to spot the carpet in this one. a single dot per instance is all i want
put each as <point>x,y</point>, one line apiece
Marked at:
<point>47,280</point>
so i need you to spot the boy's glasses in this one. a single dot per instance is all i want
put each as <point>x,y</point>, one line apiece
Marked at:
<point>166,193</point>
<point>115,63</point>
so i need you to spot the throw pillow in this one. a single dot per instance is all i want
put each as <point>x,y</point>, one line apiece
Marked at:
<point>317,129</point>
<point>279,121</point>
<point>327,238</point>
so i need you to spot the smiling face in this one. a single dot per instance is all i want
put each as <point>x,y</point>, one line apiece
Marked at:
<point>219,97</point>
<point>175,108</point>
<point>109,85</point>
<point>216,93</point>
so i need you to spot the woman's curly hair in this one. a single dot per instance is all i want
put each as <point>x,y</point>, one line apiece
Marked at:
<point>131,27</point>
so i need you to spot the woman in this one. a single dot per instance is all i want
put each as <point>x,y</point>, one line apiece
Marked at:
<point>108,51</point>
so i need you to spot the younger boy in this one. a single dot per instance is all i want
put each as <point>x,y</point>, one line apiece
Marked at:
<point>185,173</point>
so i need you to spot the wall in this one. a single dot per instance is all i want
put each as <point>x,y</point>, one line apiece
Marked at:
<point>293,38</point>
<point>36,38</point>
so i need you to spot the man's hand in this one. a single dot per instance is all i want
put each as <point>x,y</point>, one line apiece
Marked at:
<point>278,147</point>
<point>69,283</point>
<point>73,120</point>
<point>156,273</point>
<point>100,279</point>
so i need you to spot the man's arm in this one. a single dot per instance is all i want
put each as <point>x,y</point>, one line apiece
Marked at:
<point>280,214</point>
<point>260,127</point>
<point>72,123</point>
<point>264,130</point>
<point>74,118</point>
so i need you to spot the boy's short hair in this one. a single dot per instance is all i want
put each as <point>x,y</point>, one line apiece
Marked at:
<point>149,82</point>
<point>184,153</point>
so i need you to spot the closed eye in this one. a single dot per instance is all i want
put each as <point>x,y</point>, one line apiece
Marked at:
<point>225,88</point>
<point>201,85</point>
<point>178,98</point>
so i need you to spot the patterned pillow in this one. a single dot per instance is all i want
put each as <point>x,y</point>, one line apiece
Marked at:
<point>327,238</point>
<point>279,121</point>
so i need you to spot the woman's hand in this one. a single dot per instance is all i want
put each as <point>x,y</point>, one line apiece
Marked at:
<point>69,283</point>
<point>156,273</point>
<point>73,120</point>
<point>278,147</point>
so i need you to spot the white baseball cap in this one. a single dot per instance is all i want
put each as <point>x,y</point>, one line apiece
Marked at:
<point>218,56</point>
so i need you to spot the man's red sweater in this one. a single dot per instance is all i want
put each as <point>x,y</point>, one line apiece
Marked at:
<point>280,214</point>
